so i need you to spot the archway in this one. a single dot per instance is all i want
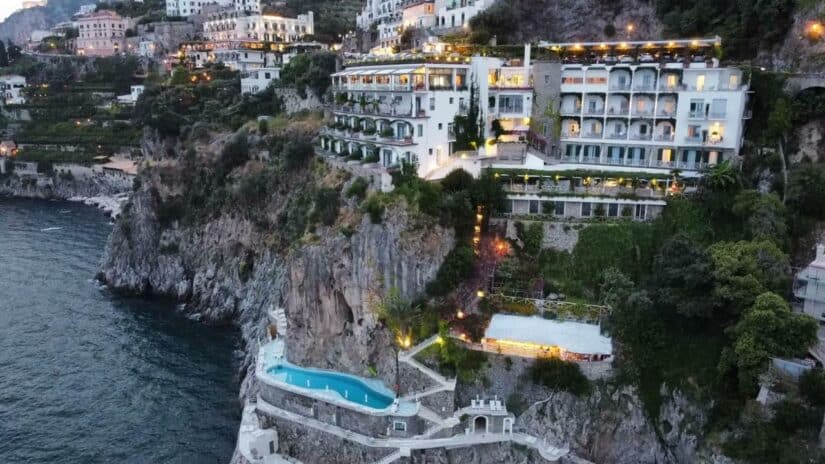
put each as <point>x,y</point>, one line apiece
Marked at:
<point>480,424</point>
<point>508,425</point>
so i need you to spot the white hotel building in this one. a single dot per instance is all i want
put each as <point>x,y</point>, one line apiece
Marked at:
<point>405,112</point>
<point>610,129</point>
<point>391,17</point>
<point>186,8</point>
<point>238,25</point>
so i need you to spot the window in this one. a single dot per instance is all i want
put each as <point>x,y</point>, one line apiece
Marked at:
<point>613,210</point>
<point>696,108</point>
<point>267,76</point>
<point>440,126</point>
<point>421,130</point>
<point>640,211</point>
<point>546,79</point>
<point>432,103</point>
<point>271,447</point>
<point>700,82</point>
<point>399,426</point>
<point>510,103</point>
<point>534,207</point>
<point>587,209</point>
<point>717,107</point>
<point>733,81</point>
<point>558,208</point>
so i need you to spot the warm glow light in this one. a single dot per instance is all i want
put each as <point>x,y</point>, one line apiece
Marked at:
<point>480,293</point>
<point>814,30</point>
<point>630,27</point>
<point>460,314</point>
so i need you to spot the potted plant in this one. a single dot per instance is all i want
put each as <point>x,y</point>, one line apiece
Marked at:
<point>369,131</point>
<point>387,132</point>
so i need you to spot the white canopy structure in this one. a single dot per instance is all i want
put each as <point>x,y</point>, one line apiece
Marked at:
<point>538,335</point>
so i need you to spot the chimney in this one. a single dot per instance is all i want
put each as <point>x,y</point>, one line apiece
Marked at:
<point>527,55</point>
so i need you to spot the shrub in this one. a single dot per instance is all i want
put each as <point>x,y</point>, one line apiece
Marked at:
<point>374,206</point>
<point>458,265</point>
<point>559,375</point>
<point>812,387</point>
<point>296,153</point>
<point>358,188</point>
<point>325,208</point>
<point>525,308</point>
<point>387,132</point>
<point>263,126</point>
<point>234,154</point>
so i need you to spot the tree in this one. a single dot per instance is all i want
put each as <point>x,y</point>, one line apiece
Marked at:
<point>468,128</point>
<point>12,51</point>
<point>763,215</point>
<point>683,278</point>
<point>399,315</point>
<point>805,192</point>
<point>4,57</point>
<point>457,180</point>
<point>488,194</point>
<point>615,288</point>
<point>744,270</point>
<point>767,329</point>
<point>721,177</point>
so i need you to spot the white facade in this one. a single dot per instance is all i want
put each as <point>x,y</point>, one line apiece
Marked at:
<point>12,87</point>
<point>809,286</point>
<point>253,6</point>
<point>405,112</point>
<point>135,92</point>
<point>186,8</point>
<point>233,25</point>
<point>89,8</point>
<point>391,17</point>
<point>256,81</point>
<point>676,114</point>
<point>457,13</point>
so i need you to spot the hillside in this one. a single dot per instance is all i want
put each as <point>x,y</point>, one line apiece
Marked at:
<point>19,25</point>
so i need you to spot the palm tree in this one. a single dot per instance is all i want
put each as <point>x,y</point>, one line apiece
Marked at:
<point>400,316</point>
<point>720,177</point>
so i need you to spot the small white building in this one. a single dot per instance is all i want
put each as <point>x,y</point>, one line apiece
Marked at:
<point>256,81</point>
<point>132,97</point>
<point>12,87</point>
<point>809,286</point>
<point>186,8</point>
<point>537,337</point>
<point>86,9</point>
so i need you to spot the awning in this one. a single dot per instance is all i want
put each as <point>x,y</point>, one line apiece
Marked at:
<point>343,73</point>
<point>404,71</point>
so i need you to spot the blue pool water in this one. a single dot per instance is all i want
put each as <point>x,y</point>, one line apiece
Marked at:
<point>347,386</point>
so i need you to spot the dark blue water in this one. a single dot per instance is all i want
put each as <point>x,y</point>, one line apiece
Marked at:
<point>90,377</point>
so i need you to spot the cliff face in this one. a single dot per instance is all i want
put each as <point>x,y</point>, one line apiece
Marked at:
<point>227,270</point>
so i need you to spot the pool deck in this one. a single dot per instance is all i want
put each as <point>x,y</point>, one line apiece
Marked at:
<point>272,354</point>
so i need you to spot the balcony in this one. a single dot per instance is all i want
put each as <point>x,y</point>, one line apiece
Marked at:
<point>644,87</point>
<point>664,137</point>
<point>643,113</point>
<point>381,111</point>
<point>594,111</point>
<point>617,136</point>
<point>696,115</point>
<point>716,115</point>
<point>617,87</point>
<point>570,111</point>
<point>640,136</point>
<point>571,135</point>
<point>662,113</point>
<point>621,111</point>
<point>593,134</point>
<point>693,139</point>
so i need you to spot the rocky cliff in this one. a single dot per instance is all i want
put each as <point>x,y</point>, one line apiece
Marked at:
<point>229,269</point>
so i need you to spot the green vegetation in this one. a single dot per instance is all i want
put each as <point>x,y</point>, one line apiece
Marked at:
<point>559,375</point>
<point>309,71</point>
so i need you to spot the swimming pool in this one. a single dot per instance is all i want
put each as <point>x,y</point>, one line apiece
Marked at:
<point>350,388</point>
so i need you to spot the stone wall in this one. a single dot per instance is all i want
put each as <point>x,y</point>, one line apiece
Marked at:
<point>312,446</point>
<point>561,235</point>
<point>442,403</point>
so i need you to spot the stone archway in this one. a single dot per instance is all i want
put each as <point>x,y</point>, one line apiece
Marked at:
<point>480,424</point>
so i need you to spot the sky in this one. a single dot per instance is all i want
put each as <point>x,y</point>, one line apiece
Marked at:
<point>8,7</point>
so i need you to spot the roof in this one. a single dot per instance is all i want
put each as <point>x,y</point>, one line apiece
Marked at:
<point>576,337</point>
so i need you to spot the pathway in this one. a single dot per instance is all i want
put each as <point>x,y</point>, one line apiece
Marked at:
<point>422,441</point>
